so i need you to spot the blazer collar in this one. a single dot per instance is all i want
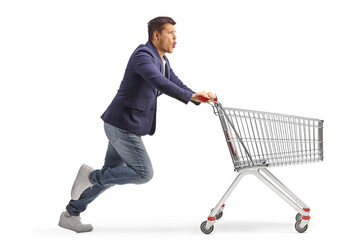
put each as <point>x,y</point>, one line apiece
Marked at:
<point>157,55</point>
<point>154,50</point>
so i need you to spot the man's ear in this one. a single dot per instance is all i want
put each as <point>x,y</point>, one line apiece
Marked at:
<point>156,36</point>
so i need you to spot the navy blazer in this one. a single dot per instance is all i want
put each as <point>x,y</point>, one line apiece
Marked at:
<point>134,106</point>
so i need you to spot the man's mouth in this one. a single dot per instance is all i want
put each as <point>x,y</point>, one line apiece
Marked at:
<point>174,44</point>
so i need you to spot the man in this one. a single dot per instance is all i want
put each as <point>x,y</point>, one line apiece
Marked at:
<point>131,114</point>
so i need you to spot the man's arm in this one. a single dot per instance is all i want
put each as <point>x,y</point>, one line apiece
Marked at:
<point>145,66</point>
<point>194,97</point>
<point>178,82</point>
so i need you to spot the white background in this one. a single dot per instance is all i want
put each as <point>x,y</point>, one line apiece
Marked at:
<point>61,63</point>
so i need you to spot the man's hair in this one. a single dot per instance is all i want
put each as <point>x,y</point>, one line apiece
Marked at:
<point>157,24</point>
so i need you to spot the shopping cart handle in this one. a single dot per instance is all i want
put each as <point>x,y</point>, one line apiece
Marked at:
<point>205,99</point>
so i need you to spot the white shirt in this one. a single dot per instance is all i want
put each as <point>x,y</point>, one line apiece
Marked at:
<point>164,62</point>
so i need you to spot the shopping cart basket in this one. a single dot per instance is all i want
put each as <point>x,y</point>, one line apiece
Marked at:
<point>258,140</point>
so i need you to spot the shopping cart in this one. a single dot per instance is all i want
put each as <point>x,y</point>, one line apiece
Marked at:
<point>258,140</point>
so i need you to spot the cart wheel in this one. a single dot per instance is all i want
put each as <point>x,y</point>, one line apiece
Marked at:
<point>204,229</point>
<point>298,217</point>
<point>219,215</point>
<point>299,229</point>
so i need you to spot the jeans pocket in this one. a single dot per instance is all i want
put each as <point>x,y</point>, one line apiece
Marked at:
<point>110,132</point>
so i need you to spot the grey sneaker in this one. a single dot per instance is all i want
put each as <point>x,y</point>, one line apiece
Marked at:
<point>73,223</point>
<point>81,182</point>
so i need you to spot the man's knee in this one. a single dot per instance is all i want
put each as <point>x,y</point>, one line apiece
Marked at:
<point>146,177</point>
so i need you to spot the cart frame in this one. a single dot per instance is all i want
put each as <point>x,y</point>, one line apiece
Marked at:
<point>290,147</point>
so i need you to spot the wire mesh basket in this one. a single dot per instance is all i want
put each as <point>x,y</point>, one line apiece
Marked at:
<point>262,138</point>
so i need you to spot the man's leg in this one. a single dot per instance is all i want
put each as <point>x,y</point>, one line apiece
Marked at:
<point>75,207</point>
<point>131,149</point>
<point>126,162</point>
<point>70,219</point>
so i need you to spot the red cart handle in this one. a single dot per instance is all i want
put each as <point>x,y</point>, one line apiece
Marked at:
<point>205,99</point>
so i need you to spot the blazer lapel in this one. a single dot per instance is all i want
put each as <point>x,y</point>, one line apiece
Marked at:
<point>156,55</point>
<point>167,70</point>
<point>160,62</point>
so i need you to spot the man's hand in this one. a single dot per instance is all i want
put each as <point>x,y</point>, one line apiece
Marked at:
<point>195,96</point>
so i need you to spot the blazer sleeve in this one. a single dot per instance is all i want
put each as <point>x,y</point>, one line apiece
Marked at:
<point>177,81</point>
<point>145,65</point>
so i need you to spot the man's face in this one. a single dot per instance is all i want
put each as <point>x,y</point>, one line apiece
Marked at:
<point>167,38</point>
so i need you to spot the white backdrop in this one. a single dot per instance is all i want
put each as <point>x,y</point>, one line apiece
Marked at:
<point>61,63</point>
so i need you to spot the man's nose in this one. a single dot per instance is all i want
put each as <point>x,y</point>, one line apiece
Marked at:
<point>174,37</point>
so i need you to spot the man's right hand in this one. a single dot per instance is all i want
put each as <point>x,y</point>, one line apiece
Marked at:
<point>195,96</point>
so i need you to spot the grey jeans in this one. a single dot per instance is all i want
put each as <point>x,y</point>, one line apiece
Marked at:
<point>126,161</point>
